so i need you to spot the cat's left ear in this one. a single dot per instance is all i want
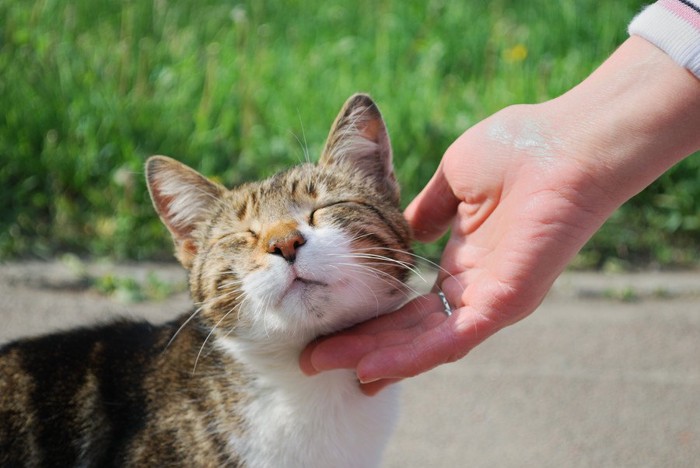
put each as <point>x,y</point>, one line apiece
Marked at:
<point>183,199</point>
<point>359,138</point>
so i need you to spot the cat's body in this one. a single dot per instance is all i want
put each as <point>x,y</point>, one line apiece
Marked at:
<point>272,265</point>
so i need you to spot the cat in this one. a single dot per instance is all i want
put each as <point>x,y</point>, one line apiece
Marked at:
<point>272,265</point>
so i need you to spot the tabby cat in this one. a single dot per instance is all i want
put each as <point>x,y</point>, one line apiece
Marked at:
<point>272,264</point>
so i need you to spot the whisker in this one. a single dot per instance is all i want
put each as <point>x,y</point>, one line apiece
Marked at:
<point>387,260</point>
<point>184,324</point>
<point>392,281</point>
<point>211,332</point>
<point>367,288</point>
<point>417,257</point>
<point>306,145</point>
<point>232,283</point>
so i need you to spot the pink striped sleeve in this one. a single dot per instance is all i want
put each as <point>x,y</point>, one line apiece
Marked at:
<point>674,27</point>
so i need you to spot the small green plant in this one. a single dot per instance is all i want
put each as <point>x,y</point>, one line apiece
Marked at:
<point>662,293</point>
<point>157,289</point>
<point>129,289</point>
<point>124,289</point>
<point>626,294</point>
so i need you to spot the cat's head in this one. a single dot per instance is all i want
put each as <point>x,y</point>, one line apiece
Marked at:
<point>304,252</point>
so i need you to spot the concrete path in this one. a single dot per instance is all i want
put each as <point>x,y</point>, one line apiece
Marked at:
<point>605,374</point>
<point>586,381</point>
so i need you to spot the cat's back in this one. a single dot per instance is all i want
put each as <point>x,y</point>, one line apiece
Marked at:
<point>74,397</point>
<point>120,394</point>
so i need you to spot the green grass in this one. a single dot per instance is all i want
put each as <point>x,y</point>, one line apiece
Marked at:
<point>90,89</point>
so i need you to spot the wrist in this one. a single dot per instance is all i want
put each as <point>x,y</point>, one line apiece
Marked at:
<point>632,119</point>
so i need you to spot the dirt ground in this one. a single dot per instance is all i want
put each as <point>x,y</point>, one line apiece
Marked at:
<point>605,373</point>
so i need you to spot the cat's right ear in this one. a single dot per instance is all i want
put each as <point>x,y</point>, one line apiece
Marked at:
<point>182,198</point>
<point>359,138</point>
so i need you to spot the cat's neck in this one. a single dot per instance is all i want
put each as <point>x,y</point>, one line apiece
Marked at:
<point>297,420</point>
<point>276,355</point>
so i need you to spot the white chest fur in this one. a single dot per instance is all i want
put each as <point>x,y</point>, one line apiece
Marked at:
<point>323,421</point>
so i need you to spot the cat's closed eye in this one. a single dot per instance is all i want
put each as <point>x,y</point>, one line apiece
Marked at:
<point>325,206</point>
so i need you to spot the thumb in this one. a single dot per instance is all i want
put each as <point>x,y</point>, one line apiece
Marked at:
<point>431,212</point>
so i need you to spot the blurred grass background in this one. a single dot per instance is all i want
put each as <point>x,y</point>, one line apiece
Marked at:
<point>89,89</point>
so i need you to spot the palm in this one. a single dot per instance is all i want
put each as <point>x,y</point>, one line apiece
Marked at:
<point>518,222</point>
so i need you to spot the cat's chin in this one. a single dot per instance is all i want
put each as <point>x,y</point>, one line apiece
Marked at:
<point>310,310</point>
<point>326,313</point>
<point>301,292</point>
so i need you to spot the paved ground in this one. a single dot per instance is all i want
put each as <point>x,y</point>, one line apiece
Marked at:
<point>605,374</point>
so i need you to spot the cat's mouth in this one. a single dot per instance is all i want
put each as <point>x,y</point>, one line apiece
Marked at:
<point>310,282</point>
<point>300,285</point>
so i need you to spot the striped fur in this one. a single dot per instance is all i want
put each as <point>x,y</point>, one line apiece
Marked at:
<point>272,264</point>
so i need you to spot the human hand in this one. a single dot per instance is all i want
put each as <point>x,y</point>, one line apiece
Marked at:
<point>522,191</point>
<point>517,212</point>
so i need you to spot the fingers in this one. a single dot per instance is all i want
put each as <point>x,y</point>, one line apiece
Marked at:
<point>417,353</point>
<point>335,352</point>
<point>424,338</point>
<point>383,355</point>
<point>446,342</point>
<point>372,388</point>
<point>433,209</point>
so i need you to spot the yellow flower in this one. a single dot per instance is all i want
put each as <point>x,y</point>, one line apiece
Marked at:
<point>515,54</point>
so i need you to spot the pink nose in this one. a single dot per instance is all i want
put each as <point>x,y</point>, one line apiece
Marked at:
<point>286,245</point>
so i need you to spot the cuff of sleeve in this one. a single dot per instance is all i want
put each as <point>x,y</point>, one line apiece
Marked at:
<point>674,27</point>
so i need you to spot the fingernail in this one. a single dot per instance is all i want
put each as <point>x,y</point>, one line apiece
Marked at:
<point>368,381</point>
<point>309,371</point>
<point>373,388</point>
<point>305,364</point>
